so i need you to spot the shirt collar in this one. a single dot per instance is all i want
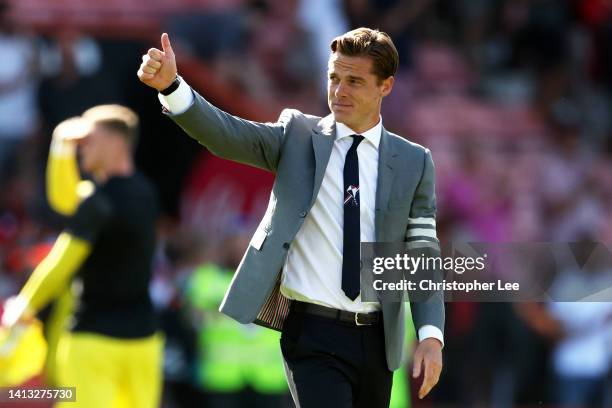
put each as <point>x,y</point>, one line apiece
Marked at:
<point>372,135</point>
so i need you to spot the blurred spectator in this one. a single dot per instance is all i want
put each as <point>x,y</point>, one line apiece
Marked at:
<point>395,17</point>
<point>322,21</point>
<point>225,38</point>
<point>18,78</point>
<point>212,33</point>
<point>259,47</point>
<point>478,200</point>
<point>569,203</point>
<point>582,357</point>
<point>177,254</point>
<point>72,74</point>
<point>238,366</point>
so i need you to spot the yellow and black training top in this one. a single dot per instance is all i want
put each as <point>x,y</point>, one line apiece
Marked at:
<point>118,220</point>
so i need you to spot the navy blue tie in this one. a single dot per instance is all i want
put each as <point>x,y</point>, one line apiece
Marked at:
<point>352,230</point>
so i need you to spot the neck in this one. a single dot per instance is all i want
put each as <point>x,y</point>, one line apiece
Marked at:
<point>364,127</point>
<point>118,168</point>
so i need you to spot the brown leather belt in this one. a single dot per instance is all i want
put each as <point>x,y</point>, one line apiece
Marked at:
<point>356,319</point>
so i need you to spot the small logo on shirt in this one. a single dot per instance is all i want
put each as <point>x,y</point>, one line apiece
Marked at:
<point>351,195</point>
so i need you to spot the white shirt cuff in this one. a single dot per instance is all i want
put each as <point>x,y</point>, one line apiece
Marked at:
<point>14,310</point>
<point>428,331</point>
<point>178,101</point>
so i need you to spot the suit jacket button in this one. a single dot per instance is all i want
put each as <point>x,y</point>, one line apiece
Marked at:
<point>286,245</point>
<point>303,214</point>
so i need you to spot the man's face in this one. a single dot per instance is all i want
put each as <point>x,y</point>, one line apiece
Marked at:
<point>95,149</point>
<point>354,92</point>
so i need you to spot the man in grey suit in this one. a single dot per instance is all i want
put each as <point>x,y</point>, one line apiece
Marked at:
<point>340,180</point>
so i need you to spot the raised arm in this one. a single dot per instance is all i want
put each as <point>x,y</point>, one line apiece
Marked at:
<point>68,254</point>
<point>49,278</point>
<point>63,180</point>
<point>225,135</point>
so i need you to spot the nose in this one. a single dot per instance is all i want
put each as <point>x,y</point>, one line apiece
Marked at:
<point>341,90</point>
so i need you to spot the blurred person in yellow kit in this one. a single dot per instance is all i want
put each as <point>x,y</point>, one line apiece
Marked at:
<point>112,353</point>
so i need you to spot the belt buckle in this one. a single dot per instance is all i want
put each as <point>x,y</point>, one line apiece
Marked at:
<point>357,321</point>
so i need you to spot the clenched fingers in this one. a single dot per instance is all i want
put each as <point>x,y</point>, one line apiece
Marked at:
<point>147,60</point>
<point>144,75</point>
<point>148,70</point>
<point>155,54</point>
<point>148,67</point>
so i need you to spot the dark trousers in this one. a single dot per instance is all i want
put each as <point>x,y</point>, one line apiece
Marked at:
<point>333,364</point>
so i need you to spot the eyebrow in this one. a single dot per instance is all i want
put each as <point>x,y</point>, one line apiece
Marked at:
<point>353,77</point>
<point>356,78</point>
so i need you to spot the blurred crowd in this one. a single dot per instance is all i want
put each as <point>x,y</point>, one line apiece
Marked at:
<point>513,97</point>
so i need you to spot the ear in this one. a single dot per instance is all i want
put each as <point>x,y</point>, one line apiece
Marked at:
<point>387,86</point>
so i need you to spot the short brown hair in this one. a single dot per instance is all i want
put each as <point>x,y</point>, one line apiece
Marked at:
<point>371,43</point>
<point>117,118</point>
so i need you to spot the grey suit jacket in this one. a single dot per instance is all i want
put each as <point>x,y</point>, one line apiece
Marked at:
<point>297,149</point>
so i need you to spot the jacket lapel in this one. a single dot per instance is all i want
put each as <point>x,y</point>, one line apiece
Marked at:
<point>322,142</point>
<point>386,173</point>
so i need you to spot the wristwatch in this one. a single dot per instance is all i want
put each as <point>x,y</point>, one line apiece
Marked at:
<point>173,86</point>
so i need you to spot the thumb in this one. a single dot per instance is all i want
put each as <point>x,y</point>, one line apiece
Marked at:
<point>166,46</point>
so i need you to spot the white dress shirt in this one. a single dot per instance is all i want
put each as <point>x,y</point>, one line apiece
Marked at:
<point>313,268</point>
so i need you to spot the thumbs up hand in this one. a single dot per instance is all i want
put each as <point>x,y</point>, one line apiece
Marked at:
<point>158,68</point>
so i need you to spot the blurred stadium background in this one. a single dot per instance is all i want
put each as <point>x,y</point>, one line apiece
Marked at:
<point>513,97</point>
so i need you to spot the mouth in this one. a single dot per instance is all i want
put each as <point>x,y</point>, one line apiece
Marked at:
<point>341,105</point>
